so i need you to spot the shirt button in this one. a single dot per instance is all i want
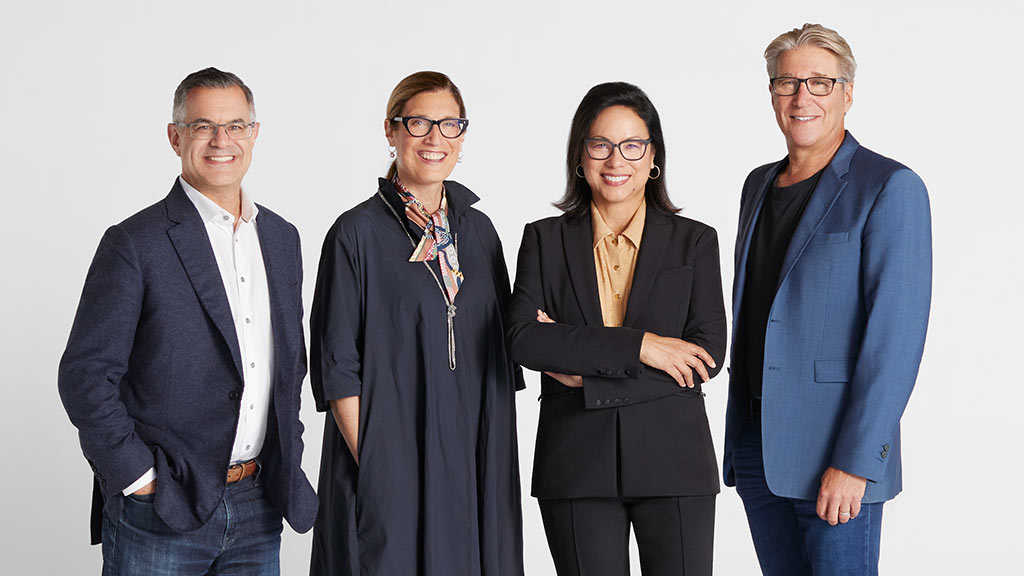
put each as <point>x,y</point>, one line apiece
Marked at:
<point>226,217</point>
<point>615,241</point>
<point>233,395</point>
<point>248,446</point>
<point>247,321</point>
<point>243,278</point>
<point>616,267</point>
<point>252,406</point>
<point>618,297</point>
<point>252,364</point>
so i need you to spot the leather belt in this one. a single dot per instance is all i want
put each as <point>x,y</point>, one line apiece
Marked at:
<point>242,470</point>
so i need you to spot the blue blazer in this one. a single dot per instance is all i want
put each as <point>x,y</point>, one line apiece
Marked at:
<point>152,373</point>
<point>846,330</point>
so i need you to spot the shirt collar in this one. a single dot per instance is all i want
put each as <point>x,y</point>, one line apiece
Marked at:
<point>634,230</point>
<point>210,211</point>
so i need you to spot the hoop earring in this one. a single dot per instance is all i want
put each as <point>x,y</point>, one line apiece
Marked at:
<point>659,173</point>
<point>391,151</point>
<point>579,171</point>
<point>460,156</point>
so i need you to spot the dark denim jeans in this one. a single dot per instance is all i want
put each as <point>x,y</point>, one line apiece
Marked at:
<point>242,537</point>
<point>789,538</point>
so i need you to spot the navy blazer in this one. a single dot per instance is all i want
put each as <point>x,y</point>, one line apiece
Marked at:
<point>846,330</point>
<point>152,374</point>
<point>631,430</point>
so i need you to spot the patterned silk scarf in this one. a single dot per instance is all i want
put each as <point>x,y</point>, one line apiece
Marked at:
<point>437,239</point>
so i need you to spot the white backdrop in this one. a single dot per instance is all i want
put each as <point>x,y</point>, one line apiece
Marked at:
<point>86,95</point>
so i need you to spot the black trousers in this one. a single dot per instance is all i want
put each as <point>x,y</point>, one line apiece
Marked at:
<point>590,536</point>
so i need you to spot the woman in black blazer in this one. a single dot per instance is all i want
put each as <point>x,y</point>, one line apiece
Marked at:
<point>623,438</point>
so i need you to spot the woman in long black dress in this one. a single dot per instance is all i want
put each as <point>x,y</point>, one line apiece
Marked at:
<point>419,472</point>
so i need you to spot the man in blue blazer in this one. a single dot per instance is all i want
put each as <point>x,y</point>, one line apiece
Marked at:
<point>184,366</point>
<point>830,306</point>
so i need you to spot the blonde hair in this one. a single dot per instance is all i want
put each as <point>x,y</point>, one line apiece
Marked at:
<point>415,84</point>
<point>812,35</point>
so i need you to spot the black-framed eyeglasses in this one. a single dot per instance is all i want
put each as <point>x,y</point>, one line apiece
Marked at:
<point>602,148</point>
<point>418,126</point>
<point>816,85</point>
<point>207,130</point>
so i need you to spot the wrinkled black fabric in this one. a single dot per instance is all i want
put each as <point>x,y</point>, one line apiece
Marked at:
<point>437,489</point>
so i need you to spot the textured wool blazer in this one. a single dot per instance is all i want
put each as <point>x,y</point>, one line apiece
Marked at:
<point>631,430</point>
<point>152,373</point>
<point>847,328</point>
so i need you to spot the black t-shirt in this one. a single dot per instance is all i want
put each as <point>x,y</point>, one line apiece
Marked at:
<point>775,225</point>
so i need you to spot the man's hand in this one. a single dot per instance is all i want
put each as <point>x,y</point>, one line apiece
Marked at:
<point>570,380</point>
<point>840,495</point>
<point>676,357</point>
<point>147,489</point>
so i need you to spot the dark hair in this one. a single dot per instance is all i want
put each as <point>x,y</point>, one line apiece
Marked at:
<point>577,196</point>
<point>418,83</point>
<point>208,78</point>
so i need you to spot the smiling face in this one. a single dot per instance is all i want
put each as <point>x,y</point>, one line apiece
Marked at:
<point>812,124</point>
<point>214,167</point>
<point>615,179</point>
<point>424,163</point>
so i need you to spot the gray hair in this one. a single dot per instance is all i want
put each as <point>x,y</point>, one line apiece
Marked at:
<point>812,35</point>
<point>208,78</point>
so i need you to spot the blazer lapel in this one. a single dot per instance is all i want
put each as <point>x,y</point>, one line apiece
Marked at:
<point>748,219</point>
<point>578,240</point>
<point>279,285</point>
<point>831,185</point>
<point>652,248</point>
<point>192,243</point>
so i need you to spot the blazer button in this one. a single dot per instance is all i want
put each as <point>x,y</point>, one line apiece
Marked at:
<point>625,400</point>
<point>233,395</point>
<point>617,400</point>
<point>598,403</point>
<point>627,373</point>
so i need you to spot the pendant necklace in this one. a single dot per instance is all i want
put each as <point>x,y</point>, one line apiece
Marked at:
<point>444,293</point>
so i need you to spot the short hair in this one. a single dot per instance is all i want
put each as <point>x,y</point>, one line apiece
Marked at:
<point>413,85</point>
<point>208,78</point>
<point>577,197</point>
<point>812,35</point>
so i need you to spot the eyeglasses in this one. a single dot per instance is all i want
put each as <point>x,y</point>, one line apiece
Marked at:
<point>207,130</point>
<point>418,126</point>
<point>602,148</point>
<point>816,85</point>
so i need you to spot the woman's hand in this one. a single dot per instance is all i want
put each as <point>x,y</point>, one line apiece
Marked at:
<point>573,380</point>
<point>676,357</point>
<point>346,414</point>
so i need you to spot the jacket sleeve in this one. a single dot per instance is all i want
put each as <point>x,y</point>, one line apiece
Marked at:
<point>896,264</point>
<point>705,326</point>
<point>336,320</point>
<point>96,359</point>
<point>558,347</point>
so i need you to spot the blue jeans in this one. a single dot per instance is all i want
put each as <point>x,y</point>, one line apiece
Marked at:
<point>789,538</point>
<point>242,537</point>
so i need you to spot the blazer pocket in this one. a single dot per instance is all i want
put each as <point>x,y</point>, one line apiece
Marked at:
<point>674,271</point>
<point>832,237</point>
<point>834,370</point>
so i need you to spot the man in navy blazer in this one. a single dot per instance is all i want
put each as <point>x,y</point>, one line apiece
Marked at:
<point>184,366</point>
<point>830,305</point>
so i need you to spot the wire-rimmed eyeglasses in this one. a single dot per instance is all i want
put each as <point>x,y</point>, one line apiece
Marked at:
<point>207,130</point>
<point>816,85</point>
<point>601,148</point>
<point>418,126</point>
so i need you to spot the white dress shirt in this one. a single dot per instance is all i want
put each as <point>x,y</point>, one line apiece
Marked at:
<point>240,260</point>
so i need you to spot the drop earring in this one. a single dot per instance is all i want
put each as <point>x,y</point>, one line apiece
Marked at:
<point>391,151</point>
<point>460,156</point>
